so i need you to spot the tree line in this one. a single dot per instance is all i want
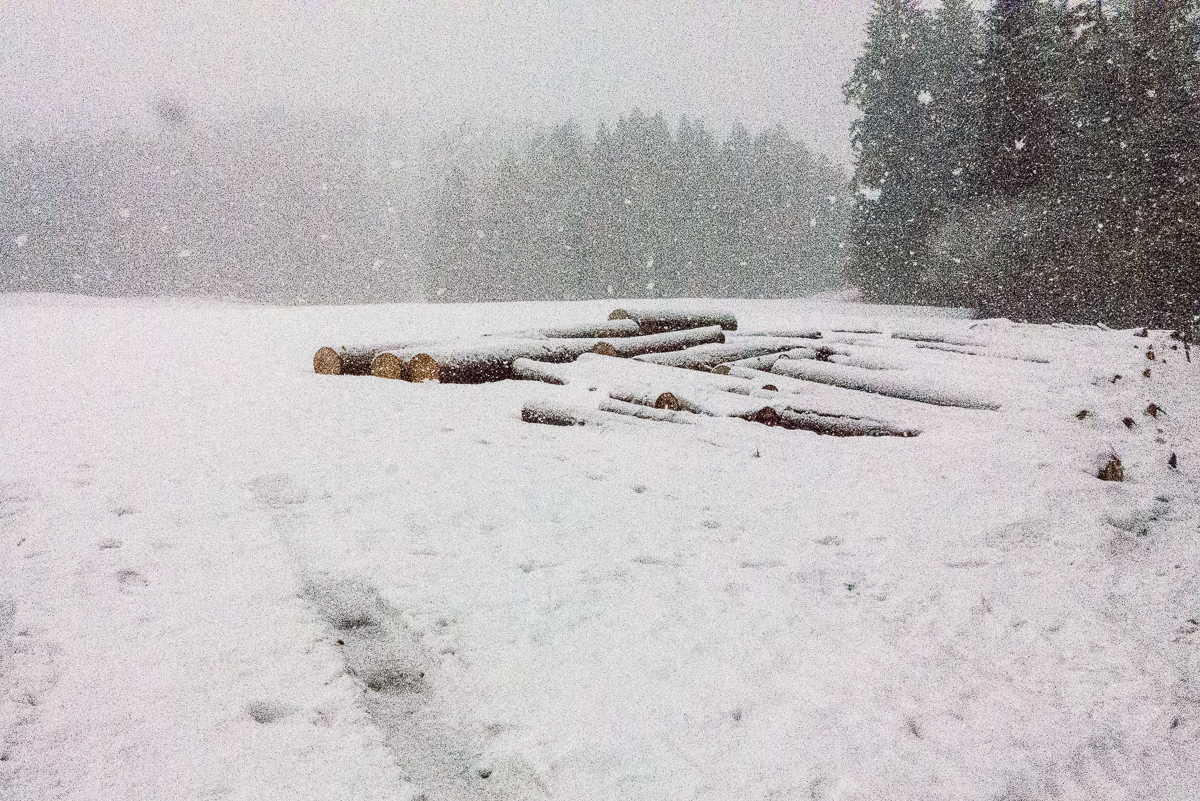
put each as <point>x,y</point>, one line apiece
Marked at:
<point>1039,160</point>
<point>640,210</point>
<point>290,209</point>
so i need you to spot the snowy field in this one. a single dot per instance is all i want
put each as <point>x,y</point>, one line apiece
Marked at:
<point>224,576</point>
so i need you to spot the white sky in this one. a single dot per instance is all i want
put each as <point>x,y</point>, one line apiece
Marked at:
<point>66,65</point>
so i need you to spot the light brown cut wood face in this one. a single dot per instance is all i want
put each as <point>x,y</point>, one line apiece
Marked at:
<point>618,314</point>
<point>327,362</point>
<point>668,400</point>
<point>423,367</point>
<point>604,349</point>
<point>389,365</point>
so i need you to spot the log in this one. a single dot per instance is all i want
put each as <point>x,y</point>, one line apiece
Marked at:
<point>659,343</point>
<point>355,361</point>
<point>611,328</point>
<point>556,414</point>
<point>706,357</point>
<point>782,333</point>
<point>478,362</point>
<point>659,321</point>
<point>917,336</point>
<point>529,370</point>
<point>764,362</point>
<point>902,386</point>
<point>657,398</point>
<point>661,415</point>
<point>970,350</point>
<point>839,425</point>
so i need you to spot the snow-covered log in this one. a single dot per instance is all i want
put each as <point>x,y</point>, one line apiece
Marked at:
<point>895,385</point>
<point>659,343</point>
<point>764,362</point>
<point>839,425</point>
<point>529,370</point>
<point>919,336</point>
<point>706,357</point>
<point>660,414</point>
<point>993,352</point>
<point>679,400</point>
<point>658,321</point>
<point>781,333</point>
<point>611,328</point>
<point>481,361</point>
<point>558,413</point>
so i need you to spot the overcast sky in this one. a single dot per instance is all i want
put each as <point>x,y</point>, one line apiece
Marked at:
<point>71,64</point>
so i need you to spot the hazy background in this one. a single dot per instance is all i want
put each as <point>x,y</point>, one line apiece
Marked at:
<point>98,65</point>
<point>354,152</point>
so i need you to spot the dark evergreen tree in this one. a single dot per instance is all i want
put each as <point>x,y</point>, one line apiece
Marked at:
<point>889,86</point>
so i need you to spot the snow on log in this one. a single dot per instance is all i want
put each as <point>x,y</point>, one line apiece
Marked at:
<point>905,386</point>
<point>706,357</point>
<point>659,343</point>
<point>480,362</point>
<point>764,362</point>
<point>529,370</point>
<point>839,425</point>
<point>995,353</point>
<point>557,413</point>
<point>662,415</point>
<point>659,321</point>
<point>782,333</point>
<point>611,328</point>
<point>918,336</point>
<point>679,400</point>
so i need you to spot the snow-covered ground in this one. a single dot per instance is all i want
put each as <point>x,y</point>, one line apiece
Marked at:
<point>223,576</point>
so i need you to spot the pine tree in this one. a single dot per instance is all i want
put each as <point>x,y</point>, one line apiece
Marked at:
<point>889,86</point>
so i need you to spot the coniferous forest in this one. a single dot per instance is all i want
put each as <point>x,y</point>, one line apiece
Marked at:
<point>1040,160</point>
<point>285,208</point>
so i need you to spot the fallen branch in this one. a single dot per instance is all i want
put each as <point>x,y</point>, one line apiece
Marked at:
<point>659,321</point>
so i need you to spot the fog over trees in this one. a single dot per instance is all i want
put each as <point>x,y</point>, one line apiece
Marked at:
<point>1037,160</point>
<point>287,208</point>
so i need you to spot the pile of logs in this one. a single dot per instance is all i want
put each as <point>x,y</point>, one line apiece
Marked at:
<point>672,366</point>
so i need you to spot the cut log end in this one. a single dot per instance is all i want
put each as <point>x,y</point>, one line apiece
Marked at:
<point>389,365</point>
<point>668,400</point>
<point>766,415</point>
<point>423,367</point>
<point>619,314</point>
<point>721,369</point>
<point>605,348</point>
<point>326,361</point>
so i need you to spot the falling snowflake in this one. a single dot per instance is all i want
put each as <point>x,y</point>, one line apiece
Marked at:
<point>924,97</point>
<point>1019,144</point>
<point>21,240</point>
